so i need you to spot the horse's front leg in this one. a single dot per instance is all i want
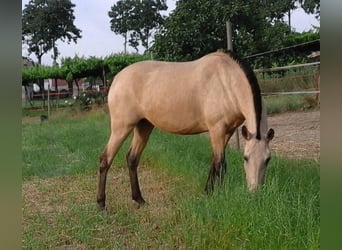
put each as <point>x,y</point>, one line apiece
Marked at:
<point>218,167</point>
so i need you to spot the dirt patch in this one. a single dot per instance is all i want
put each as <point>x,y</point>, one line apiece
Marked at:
<point>45,195</point>
<point>297,134</point>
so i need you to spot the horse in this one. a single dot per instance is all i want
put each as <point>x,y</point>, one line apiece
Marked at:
<point>215,94</point>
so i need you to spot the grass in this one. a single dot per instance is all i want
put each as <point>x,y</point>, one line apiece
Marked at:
<point>286,103</point>
<point>299,81</point>
<point>60,160</point>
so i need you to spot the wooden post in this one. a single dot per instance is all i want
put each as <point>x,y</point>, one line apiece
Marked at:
<point>229,36</point>
<point>318,88</point>
<point>48,99</point>
<point>230,47</point>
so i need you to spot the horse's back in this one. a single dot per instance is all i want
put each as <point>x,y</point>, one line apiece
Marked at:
<point>171,77</point>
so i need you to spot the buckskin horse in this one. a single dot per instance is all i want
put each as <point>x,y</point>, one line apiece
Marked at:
<point>213,94</point>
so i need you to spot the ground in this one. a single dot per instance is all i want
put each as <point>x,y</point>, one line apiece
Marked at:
<point>67,204</point>
<point>297,134</point>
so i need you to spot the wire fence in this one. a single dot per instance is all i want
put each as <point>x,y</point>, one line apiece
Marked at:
<point>300,79</point>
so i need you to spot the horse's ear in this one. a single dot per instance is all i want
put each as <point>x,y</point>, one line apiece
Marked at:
<point>245,133</point>
<point>270,134</point>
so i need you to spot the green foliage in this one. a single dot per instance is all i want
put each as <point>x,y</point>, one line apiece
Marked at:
<point>193,29</point>
<point>311,6</point>
<point>32,74</point>
<point>79,67</point>
<point>196,28</point>
<point>299,38</point>
<point>119,19</point>
<point>116,63</point>
<point>139,18</point>
<point>45,22</point>
<point>298,47</point>
<point>83,67</point>
<point>148,18</point>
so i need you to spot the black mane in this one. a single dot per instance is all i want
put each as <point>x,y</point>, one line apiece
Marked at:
<point>253,82</point>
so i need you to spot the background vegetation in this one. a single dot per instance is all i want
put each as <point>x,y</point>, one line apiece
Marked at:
<point>193,29</point>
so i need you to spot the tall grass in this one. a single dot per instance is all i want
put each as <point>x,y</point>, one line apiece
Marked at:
<point>287,103</point>
<point>290,81</point>
<point>285,214</point>
<point>60,160</point>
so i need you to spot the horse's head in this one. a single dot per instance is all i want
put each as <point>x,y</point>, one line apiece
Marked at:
<point>256,157</point>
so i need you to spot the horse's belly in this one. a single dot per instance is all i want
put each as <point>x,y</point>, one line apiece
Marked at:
<point>176,123</point>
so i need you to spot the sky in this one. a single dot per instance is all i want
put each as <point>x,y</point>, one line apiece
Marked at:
<point>98,40</point>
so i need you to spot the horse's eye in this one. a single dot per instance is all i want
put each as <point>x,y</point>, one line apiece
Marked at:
<point>268,160</point>
<point>245,158</point>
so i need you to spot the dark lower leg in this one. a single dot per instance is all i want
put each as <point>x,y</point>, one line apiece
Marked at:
<point>217,171</point>
<point>103,169</point>
<point>142,132</point>
<point>133,162</point>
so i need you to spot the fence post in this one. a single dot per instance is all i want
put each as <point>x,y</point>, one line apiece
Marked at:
<point>48,99</point>
<point>229,36</point>
<point>230,47</point>
<point>318,87</point>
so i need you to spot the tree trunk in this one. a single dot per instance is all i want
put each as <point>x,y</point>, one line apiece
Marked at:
<point>56,92</point>
<point>41,81</point>
<point>70,88</point>
<point>78,87</point>
<point>125,43</point>
<point>42,90</point>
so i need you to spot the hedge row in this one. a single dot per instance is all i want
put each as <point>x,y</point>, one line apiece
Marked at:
<point>79,67</point>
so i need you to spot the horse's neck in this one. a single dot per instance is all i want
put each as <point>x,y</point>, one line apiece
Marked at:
<point>251,121</point>
<point>263,123</point>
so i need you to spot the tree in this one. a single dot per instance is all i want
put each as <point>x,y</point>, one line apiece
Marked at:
<point>137,17</point>
<point>193,29</point>
<point>61,23</point>
<point>311,7</point>
<point>44,22</point>
<point>120,15</point>
<point>147,19</point>
<point>197,27</point>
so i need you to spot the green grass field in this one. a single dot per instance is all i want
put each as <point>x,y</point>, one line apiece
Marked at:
<point>60,160</point>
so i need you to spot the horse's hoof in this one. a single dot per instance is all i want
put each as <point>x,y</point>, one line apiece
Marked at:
<point>208,190</point>
<point>101,208</point>
<point>140,202</point>
<point>101,205</point>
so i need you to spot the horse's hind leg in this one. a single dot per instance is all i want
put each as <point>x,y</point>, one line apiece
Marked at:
<point>118,135</point>
<point>142,132</point>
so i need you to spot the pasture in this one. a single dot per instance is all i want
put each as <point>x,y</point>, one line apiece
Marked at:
<point>60,162</point>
